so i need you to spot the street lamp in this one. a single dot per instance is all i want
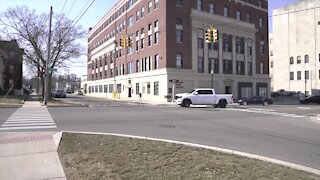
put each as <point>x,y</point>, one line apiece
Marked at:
<point>211,72</point>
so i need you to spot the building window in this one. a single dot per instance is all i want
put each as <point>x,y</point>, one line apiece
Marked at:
<point>227,44</point>
<point>156,88</point>
<point>137,15</point>
<point>260,3</point>
<point>150,6</point>
<point>110,88</point>
<point>226,11</point>
<point>149,27</point>
<point>156,61</point>
<point>291,60</point>
<point>129,4</point>
<point>149,40</point>
<point>179,60</point>
<point>213,65</point>
<point>200,65</point>
<point>261,68</point>
<point>105,88</point>
<point>130,21</point>
<point>291,76</point>
<point>299,75</point>
<point>142,12</point>
<point>249,68</point>
<point>106,74</point>
<point>96,89</point>
<point>156,4</point>
<point>306,75</point>
<point>179,21</point>
<point>137,45</point>
<point>319,74</point>
<point>137,88</point>
<point>137,66</point>
<point>156,24</point>
<point>306,59</point>
<point>199,5</point>
<point>260,22</point>
<point>248,18</point>
<point>262,47</point>
<point>200,43</point>
<point>156,37</point>
<point>238,15</point>
<point>179,36</point>
<point>179,3</point>
<point>240,46</point>
<point>240,68</point>
<point>212,8</point>
<point>148,88</point>
<point>298,59</point>
<point>227,66</point>
<point>271,64</point>
<point>142,43</point>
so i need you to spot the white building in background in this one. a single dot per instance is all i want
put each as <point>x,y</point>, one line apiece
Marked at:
<point>295,47</point>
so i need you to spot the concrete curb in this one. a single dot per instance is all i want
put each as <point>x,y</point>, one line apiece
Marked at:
<point>228,151</point>
<point>57,138</point>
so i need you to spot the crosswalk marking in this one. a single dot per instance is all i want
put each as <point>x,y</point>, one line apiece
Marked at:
<point>266,112</point>
<point>30,116</point>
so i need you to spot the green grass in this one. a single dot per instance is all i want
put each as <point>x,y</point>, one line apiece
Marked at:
<point>110,157</point>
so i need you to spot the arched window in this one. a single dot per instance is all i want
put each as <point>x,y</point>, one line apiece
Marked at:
<point>306,59</point>
<point>226,44</point>
<point>240,46</point>
<point>299,60</point>
<point>291,60</point>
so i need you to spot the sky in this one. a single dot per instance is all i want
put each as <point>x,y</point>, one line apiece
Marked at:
<point>99,8</point>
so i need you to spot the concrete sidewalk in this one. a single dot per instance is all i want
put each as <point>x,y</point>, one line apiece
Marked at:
<point>30,155</point>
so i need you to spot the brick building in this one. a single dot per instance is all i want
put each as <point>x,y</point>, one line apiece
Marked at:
<point>169,44</point>
<point>10,65</point>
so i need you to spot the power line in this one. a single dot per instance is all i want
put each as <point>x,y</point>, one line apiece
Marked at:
<point>65,2</point>
<point>81,10</point>
<point>84,12</point>
<point>71,7</point>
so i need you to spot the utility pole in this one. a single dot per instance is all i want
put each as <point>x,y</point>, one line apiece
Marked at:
<point>46,88</point>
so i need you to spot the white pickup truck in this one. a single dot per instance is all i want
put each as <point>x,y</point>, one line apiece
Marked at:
<point>203,96</point>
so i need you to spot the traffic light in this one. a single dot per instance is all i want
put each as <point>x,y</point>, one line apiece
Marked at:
<point>215,35</point>
<point>123,42</point>
<point>208,36</point>
<point>129,42</point>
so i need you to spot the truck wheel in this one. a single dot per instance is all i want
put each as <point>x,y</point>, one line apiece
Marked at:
<point>186,103</point>
<point>222,103</point>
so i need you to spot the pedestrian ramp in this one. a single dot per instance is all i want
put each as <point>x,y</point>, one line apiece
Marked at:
<point>32,115</point>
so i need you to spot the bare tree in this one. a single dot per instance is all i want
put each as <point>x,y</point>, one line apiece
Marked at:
<point>31,32</point>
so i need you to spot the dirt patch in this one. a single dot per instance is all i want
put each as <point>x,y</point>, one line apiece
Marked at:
<point>110,157</point>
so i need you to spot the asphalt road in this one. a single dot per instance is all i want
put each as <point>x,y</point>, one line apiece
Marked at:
<point>5,113</point>
<point>282,132</point>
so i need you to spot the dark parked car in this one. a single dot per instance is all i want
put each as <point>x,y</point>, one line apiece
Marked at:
<point>60,93</point>
<point>310,99</point>
<point>256,100</point>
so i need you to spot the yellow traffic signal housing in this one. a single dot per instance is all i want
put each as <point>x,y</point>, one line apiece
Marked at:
<point>208,36</point>
<point>122,42</point>
<point>215,37</point>
<point>129,42</point>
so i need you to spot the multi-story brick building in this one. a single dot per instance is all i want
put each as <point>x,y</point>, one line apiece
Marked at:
<point>169,44</point>
<point>10,65</point>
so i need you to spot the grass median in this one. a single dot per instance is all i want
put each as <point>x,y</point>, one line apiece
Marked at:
<point>111,157</point>
<point>12,99</point>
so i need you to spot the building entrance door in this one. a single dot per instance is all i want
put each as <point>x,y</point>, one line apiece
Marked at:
<point>129,92</point>
<point>228,89</point>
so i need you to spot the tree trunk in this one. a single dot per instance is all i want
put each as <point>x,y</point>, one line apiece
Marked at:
<point>50,87</point>
<point>42,84</point>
